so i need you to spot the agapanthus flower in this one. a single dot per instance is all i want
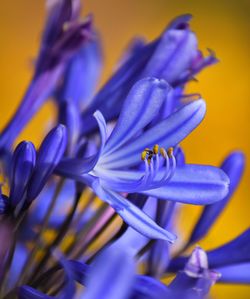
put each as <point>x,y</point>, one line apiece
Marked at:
<point>116,167</point>
<point>92,212</point>
<point>63,35</point>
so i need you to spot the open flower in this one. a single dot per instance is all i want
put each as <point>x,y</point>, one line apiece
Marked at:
<point>116,167</point>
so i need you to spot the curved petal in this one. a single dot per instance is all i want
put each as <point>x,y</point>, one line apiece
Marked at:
<point>131,238</point>
<point>147,287</point>
<point>76,167</point>
<point>194,184</point>
<point>111,275</point>
<point>174,55</point>
<point>132,215</point>
<point>234,252</point>
<point>140,107</point>
<point>167,133</point>
<point>238,273</point>
<point>48,157</point>
<point>22,167</point>
<point>26,292</point>
<point>234,167</point>
<point>82,74</point>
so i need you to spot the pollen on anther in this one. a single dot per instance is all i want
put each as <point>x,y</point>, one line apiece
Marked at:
<point>156,149</point>
<point>143,155</point>
<point>170,152</point>
<point>163,152</point>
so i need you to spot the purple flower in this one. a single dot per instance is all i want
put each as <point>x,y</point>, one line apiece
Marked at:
<point>64,34</point>
<point>116,167</point>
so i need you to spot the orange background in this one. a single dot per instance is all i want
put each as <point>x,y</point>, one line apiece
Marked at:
<point>221,25</point>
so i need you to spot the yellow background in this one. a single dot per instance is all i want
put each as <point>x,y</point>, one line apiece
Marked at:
<point>221,25</point>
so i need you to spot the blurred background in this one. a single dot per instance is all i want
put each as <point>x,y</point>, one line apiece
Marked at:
<point>220,25</point>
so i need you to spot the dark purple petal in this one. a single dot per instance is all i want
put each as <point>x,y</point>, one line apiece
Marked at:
<point>51,63</point>
<point>48,156</point>
<point>22,166</point>
<point>4,204</point>
<point>26,292</point>
<point>79,270</point>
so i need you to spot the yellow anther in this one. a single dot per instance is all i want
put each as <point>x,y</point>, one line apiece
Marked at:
<point>149,159</point>
<point>156,149</point>
<point>143,155</point>
<point>163,152</point>
<point>170,152</point>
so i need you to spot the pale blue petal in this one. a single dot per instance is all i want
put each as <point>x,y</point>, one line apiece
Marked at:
<point>167,133</point>
<point>132,215</point>
<point>141,106</point>
<point>194,184</point>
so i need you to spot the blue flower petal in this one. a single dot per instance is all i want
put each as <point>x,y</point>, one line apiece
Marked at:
<point>237,273</point>
<point>57,47</point>
<point>82,74</point>
<point>111,275</point>
<point>147,287</point>
<point>167,133</point>
<point>49,155</point>
<point>26,292</point>
<point>141,106</point>
<point>174,55</point>
<point>132,215</point>
<point>233,166</point>
<point>234,252</point>
<point>194,184</point>
<point>196,277</point>
<point>131,238</point>
<point>70,117</point>
<point>22,166</point>
<point>76,167</point>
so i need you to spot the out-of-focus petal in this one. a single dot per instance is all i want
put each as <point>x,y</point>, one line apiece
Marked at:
<point>195,277</point>
<point>111,275</point>
<point>147,287</point>
<point>49,155</point>
<point>233,166</point>
<point>238,273</point>
<point>234,252</point>
<point>82,74</point>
